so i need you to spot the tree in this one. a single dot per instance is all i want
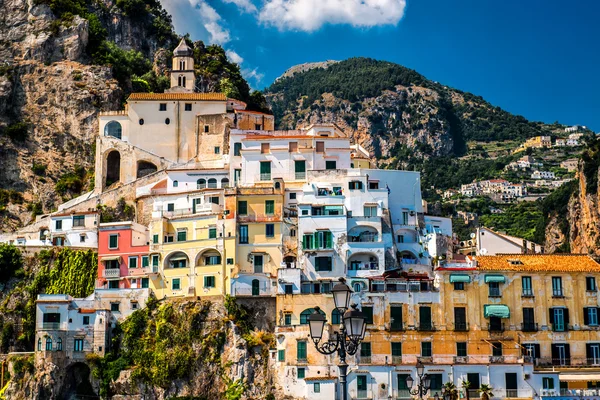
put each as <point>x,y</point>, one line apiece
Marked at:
<point>450,390</point>
<point>10,261</point>
<point>485,391</point>
<point>466,385</point>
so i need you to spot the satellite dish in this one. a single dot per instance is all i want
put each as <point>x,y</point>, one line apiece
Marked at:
<point>472,235</point>
<point>483,251</point>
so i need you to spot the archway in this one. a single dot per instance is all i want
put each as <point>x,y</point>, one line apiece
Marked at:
<point>113,128</point>
<point>145,168</point>
<point>77,383</point>
<point>113,168</point>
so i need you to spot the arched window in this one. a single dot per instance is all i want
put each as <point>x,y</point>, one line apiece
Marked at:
<point>357,287</point>
<point>277,185</point>
<point>212,183</point>
<point>201,183</point>
<point>336,317</point>
<point>224,183</point>
<point>48,344</point>
<point>306,313</point>
<point>175,183</point>
<point>181,81</point>
<point>40,344</point>
<point>59,344</point>
<point>113,128</point>
<point>182,65</point>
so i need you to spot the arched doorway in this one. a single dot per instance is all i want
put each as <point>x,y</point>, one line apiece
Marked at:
<point>77,383</point>
<point>145,168</point>
<point>113,168</point>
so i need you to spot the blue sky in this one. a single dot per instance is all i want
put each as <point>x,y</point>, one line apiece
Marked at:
<point>540,59</point>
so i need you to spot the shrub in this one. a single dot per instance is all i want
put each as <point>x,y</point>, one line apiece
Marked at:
<point>11,260</point>
<point>39,169</point>
<point>71,182</point>
<point>35,208</point>
<point>17,132</point>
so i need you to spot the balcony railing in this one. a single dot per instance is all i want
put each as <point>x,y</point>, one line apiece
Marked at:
<point>262,291</point>
<point>363,394</point>
<point>369,266</point>
<point>512,393</point>
<point>527,293</point>
<point>396,359</point>
<point>529,327</point>
<point>496,359</point>
<point>571,361</point>
<point>403,394</point>
<point>364,359</point>
<point>494,292</point>
<point>364,238</point>
<point>461,326</point>
<point>402,286</point>
<point>300,176</point>
<point>558,292</point>
<point>139,271</point>
<point>111,273</point>
<point>426,327</point>
<point>50,325</point>
<point>265,176</point>
<point>461,359</point>
<point>495,327</point>
<point>397,326</point>
<point>560,327</point>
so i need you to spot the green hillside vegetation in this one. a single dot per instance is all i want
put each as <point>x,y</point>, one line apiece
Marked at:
<point>520,220</point>
<point>356,79</point>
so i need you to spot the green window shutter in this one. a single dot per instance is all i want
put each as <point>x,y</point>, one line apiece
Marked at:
<point>281,355</point>
<point>181,236</point>
<point>145,261</point>
<point>365,349</point>
<point>300,166</point>
<point>265,167</point>
<point>270,207</point>
<point>328,240</point>
<point>242,207</point>
<point>301,350</point>
<point>301,373</point>
<point>237,149</point>
<point>307,241</point>
<point>155,239</point>
<point>397,349</point>
<point>212,233</point>
<point>145,283</point>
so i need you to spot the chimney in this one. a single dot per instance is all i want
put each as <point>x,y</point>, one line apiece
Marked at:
<point>524,247</point>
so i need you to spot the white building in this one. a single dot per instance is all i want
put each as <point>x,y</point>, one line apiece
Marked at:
<point>491,243</point>
<point>542,175</point>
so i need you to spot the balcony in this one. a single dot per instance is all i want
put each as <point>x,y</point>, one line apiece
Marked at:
<point>402,286</point>
<point>265,176</point>
<point>261,291</point>
<point>495,328</point>
<point>139,271</point>
<point>325,192</point>
<point>558,293</point>
<point>461,359</point>
<point>300,176</point>
<point>513,394</point>
<point>365,237</point>
<point>527,293</point>
<point>403,394</point>
<point>275,217</point>
<point>461,326</point>
<point>426,327</point>
<point>529,327</point>
<point>50,325</point>
<point>397,326</point>
<point>559,362</point>
<point>496,360</point>
<point>364,360</point>
<point>494,292</point>
<point>111,273</point>
<point>560,327</point>
<point>396,360</point>
<point>207,208</point>
<point>362,394</point>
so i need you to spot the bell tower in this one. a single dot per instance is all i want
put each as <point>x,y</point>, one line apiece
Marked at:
<point>182,73</point>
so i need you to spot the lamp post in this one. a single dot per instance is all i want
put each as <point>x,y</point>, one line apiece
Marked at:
<point>347,340</point>
<point>424,382</point>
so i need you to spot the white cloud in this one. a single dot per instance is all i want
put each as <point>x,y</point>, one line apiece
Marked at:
<point>253,74</point>
<point>245,5</point>
<point>310,15</point>
<point>212,22</point>
<point>234,57</point>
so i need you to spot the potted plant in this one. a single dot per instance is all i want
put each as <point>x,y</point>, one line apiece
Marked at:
<point>485,391</point>
<point>465,387</point>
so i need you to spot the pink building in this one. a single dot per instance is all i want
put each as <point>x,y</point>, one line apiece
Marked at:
<point>123,261</point>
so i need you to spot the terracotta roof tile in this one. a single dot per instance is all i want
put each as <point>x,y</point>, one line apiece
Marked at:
<point>177,96</point>
<point>538,262</point>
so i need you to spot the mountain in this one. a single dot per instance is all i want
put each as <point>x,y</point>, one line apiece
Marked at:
<point>404,120</point>
<point>63,62</point>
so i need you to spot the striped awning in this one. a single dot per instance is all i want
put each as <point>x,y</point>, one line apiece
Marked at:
<point>579,377</point>
<point>496,310</point>
<point>495,278</point>
<point>460,278</point>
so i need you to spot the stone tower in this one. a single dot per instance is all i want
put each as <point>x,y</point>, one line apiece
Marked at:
<point>182,73</point>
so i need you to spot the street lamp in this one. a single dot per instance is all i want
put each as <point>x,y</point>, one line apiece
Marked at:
<point>424,382</point>
<point>347,340</point>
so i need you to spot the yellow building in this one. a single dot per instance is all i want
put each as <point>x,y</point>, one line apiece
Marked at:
<point>259,217</point>
<point>527,325</point>
<point>192,255</point>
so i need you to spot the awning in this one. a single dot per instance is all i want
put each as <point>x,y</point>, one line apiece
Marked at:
<point>460,278</point>
<point>496,310</point>
<point>179,258</point>
<point>579,377</point>
<point>495,278</point>
<point>112,258</point>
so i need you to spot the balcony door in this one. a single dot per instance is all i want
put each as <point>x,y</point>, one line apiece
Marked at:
<point>255,287</point>
<point>460,319</point>
<point>425,317</point>
<point>361,386</point>
<point>593,353</point>
<point>511,384</point>
<point>258,264</point>
<point>561,354</point>
<point>396,318</point>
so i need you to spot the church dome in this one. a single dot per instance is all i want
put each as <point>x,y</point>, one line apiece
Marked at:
<point>183,50</point>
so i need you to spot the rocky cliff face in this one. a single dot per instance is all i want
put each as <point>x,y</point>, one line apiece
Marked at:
<point>215,357</point>
<point>48,84</point>
<point>578,230</point>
